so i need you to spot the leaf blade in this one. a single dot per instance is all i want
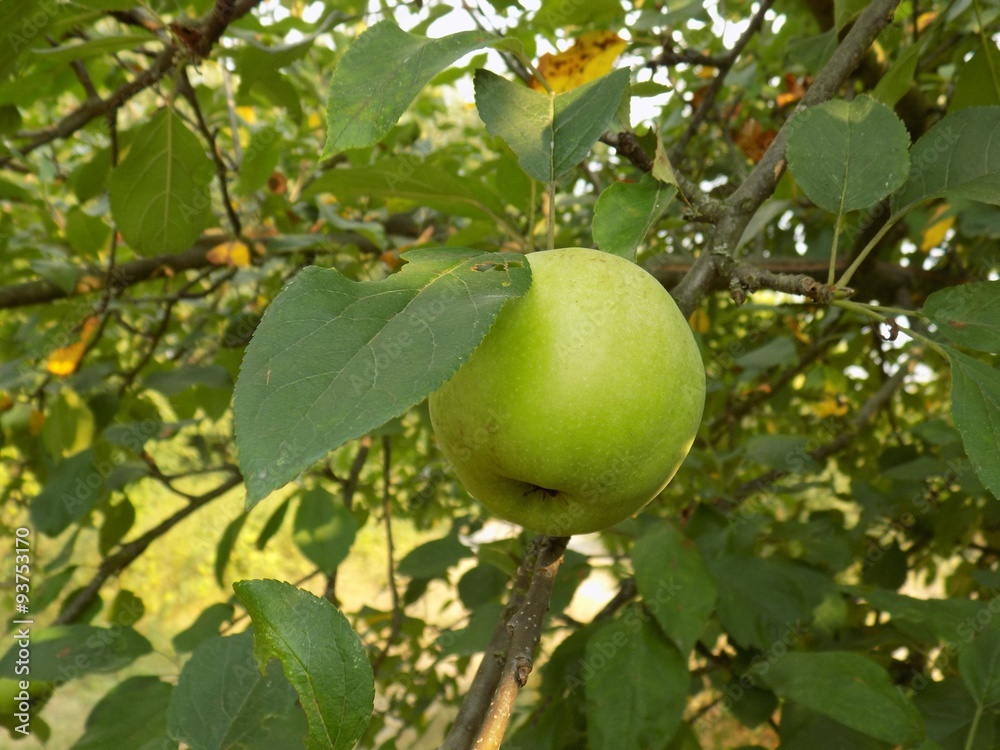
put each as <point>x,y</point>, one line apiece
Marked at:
<point>975,407</point>
<point>331,674</point>
<point>333,359</point>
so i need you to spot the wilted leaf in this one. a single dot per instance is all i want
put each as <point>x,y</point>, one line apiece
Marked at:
<point>233,253</point>
<point>591,56</point>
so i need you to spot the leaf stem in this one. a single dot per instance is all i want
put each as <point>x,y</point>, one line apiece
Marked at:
<point>550,241</point>
<point>889,224</point>
<point>971,739</point>
<point>872,312</point>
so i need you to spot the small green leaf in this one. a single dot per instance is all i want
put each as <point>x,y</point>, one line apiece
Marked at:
<point>978,80</point>
<point>433,559</point>
<point>69,493</point>
<point>333,359</point>
<point>130,715</point>
<point>979,665</point>
<point>66,53</point>
<point>763,601</point>
<point>968,314</point>
<point>550,133</point>
<point>899,78</point>
<point>206,626</point>
<point>324,529</point>
<point>224,550</point>
<point>415,181</point>
<point>975,407</point>
<point>67,652</point>
<point>247,709</point>
<point>675,584</point>
<point>381,73</point>
<point>645,708</point>
<point>160,192</point>
<point>626,211</point>
<point>954,158</point>
<point>322,657</point>
<point>850,689</point>
<point>848,155</point>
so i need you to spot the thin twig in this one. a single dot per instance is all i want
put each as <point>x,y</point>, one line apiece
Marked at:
<point>397,603</point>
<point>128,552</point>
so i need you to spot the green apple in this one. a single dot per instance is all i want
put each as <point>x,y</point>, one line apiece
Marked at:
<point>581,402</point>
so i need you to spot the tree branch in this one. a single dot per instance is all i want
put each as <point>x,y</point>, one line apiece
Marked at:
<point>525,628</point>
<point>760,183</point>
<point>128,553</point>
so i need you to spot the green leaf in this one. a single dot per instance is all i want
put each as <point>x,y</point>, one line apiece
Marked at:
<point>413,180</point>
<point>848,688</point>
<point>954,158</point>
<point>206,626</point>
<point>968,314</point>
<point>22,22</point>
<point>118,519</point>
<point>975,407</point>
<point>626,211</point>
<point>224,550</point>
<point>558,14</point>
<point>550,133</point>
<point>324,529</point>
<point>333,359</point>
<point>474,637</point>
<point>899,78</point>
<point>979,665</point>
<point>764,601</point>
<point>949,712</point>
<point>848,155</point>
<point>925,619</point>
<point>381,73</point>
<point>259,160</point>
<point>132,714</point>
<point>645,708</point>
<point>248,710</point>
<point>67,652</point>
<point>978,80</point>
<point>66,53</point>
<point>273,524</point>
<point>160,192</point>
<point>69,493</point>
<point>433,559</point>
<point>675,584</point>
<point>323,659</point>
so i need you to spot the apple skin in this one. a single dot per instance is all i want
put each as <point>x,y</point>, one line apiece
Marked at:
<point>581,402</point>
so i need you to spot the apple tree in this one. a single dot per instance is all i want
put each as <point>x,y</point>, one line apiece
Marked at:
<point>244,242</point>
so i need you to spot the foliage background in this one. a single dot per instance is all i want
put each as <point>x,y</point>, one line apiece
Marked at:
<point>828,509</point>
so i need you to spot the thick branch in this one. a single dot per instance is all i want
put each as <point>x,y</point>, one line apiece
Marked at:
<point>526,631</point>
<point>207,32</point>
<point>477,698</point>
<point>760,183</point>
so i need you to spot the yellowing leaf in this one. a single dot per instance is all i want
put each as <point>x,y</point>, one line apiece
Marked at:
<point>35,423</point>
<point>314,121</point>
<point>699,321</point>
<point>592,56</point>
<point>934,234</point>
<point>6,402</point>
<point>64,360</point>
<point>830,407</point>
<point>248,114</point>
<point>233,253</point>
